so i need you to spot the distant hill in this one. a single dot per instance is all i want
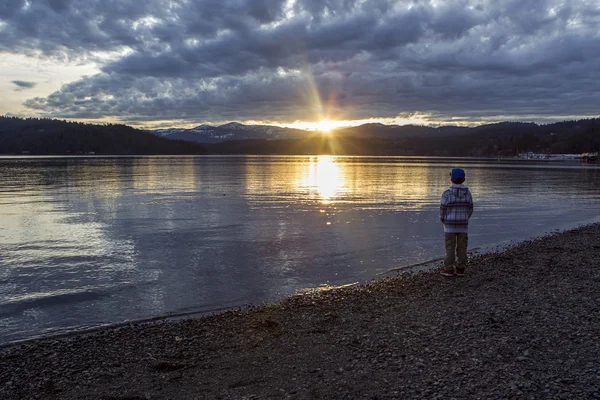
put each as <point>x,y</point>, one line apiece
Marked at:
<point>399,131</point>
<point>492,140</point>
<point>47,136</point>
<point>237,131</point>
<point>230,131</point>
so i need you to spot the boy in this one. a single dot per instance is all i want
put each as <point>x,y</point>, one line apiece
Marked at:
<point>456,208</point>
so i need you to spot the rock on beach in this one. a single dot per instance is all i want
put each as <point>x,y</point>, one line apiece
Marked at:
<point>523,323</point>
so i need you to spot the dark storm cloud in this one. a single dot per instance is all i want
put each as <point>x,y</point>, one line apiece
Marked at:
<point>287,60</point>
<point>22,85</point>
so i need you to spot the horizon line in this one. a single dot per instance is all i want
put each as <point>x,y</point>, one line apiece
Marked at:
<point>323,125</point>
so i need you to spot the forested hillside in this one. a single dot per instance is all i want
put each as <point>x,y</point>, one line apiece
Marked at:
<point>46,136</point>
<point>503,139</point>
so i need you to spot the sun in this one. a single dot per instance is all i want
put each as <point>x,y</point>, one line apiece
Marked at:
<point>326,126</point>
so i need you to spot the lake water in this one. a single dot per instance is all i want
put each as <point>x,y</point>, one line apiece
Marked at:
<point>92,241</point>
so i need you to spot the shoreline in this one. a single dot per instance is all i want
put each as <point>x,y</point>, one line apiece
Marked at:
<point>423,266</point>
<point>172,317</point>
<point>523,323</point>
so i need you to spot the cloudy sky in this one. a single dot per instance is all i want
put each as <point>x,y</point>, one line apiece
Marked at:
<point>157,63</point>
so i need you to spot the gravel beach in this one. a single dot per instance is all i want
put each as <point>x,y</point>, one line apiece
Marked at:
<point>523,323</point>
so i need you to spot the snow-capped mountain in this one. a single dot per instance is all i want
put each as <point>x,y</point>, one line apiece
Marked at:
<point>237,131</point>
<point>166,132</point>
<point>234,126</point>
<point>229,131</point>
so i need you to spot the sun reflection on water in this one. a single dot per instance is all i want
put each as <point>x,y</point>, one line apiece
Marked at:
<point>325,178</point>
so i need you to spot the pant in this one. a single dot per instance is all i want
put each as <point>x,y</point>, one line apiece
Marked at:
<point>456,247</point>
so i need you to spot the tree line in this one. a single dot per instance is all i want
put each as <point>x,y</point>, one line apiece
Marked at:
<point>48,136</point>
<point>503,139</point>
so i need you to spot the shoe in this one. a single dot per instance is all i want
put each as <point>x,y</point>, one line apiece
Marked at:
<point>460,273</point>
<point>447,272</point>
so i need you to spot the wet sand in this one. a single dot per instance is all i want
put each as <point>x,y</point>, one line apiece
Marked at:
<point>522,323</point>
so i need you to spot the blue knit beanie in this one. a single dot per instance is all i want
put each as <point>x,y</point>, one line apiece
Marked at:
<point>457,174</point>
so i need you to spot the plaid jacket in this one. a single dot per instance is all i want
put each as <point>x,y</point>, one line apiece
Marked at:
<point>456,208</point>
